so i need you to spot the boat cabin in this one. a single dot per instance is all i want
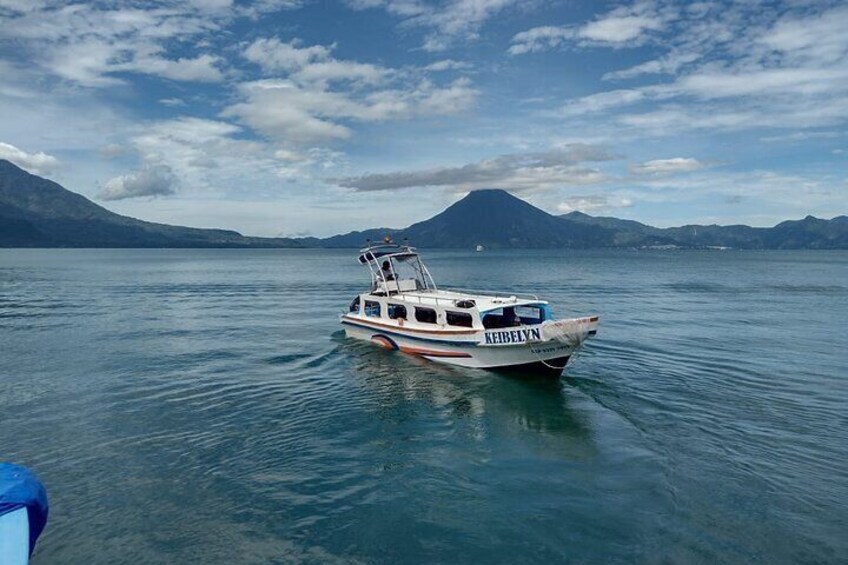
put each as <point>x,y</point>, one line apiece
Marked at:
<point>403,292</point>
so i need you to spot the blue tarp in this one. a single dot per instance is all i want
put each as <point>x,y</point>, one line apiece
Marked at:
<point>19,488</point>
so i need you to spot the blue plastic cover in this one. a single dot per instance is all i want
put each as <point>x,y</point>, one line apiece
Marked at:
<point>19,488</point>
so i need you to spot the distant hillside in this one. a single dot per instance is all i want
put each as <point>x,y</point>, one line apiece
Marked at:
<point>36,212</point>
<point>496,219</point>
<point>809,233</point>
<point>493,218</point>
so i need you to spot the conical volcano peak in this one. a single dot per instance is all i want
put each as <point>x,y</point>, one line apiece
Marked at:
<point>489,195</point>
<point>492,201</point>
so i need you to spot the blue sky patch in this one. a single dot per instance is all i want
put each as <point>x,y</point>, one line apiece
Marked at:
<point>295,117</point>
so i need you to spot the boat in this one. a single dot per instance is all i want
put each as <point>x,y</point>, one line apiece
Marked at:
<point>480,248</point>
<point>404,310</point>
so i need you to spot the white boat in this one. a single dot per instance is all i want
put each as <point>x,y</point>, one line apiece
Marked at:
<point>405,311</point>
<point>480,248</point>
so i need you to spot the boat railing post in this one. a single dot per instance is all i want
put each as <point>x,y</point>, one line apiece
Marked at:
<point>429,276</point>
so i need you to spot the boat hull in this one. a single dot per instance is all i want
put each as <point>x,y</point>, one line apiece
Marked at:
<point>543,357</point>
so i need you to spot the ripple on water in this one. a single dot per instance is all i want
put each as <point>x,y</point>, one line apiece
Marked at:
<point>203,405</point>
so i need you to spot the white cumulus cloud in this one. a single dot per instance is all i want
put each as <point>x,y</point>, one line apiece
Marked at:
<point>623,26</point>
<point>154,180</point>
<point>296,113</point>
<point>39,163</point>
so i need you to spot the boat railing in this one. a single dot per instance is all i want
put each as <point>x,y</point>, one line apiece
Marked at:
<point>495,294</point>
<point>423,297</point>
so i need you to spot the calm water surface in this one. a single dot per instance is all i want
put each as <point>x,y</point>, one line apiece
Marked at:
<point>202,406</point>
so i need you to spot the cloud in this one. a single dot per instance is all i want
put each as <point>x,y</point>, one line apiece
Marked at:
<point>601,101</point>
<point>111,150</point>
<point>297,113</point>
<point>258,8</point>
<point>448,65</point>
<point>37,163</point>
<point>737,115</point>
<point>540,39</point>
<point>198,151</point>
<point>592,203</point>
<point>93,44</point>
<point>667,64</point>
<point>768,196</point>
<point>311,65</point>
<point>214,157</point>
<point>734,67</point>
<point>274,55</point>
<point>802,136</point>
<point>618,29</point>
<point>334,70</point>
<point>461,19</point>
<point>667,166</point>
<point>204,68</point>
<point>624,26</point>
<point>404,8</point>
<point>457,20</point>
<point>736,83</point>
<point>517,172</point>
<point>157,180</point>
<point>818,38</point>
<point>311,96</point>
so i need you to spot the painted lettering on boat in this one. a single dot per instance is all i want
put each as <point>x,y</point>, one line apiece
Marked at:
<point>505,337</point>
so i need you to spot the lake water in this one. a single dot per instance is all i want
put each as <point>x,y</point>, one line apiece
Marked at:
<point>202,406</point>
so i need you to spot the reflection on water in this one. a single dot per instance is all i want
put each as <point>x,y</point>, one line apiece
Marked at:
<point>204,406</point>
<point>536,404</point>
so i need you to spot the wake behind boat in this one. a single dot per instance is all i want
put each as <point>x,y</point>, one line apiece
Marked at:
<point>404,310</point>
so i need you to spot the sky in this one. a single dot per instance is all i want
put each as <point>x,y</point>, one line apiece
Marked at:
<point>317,117</point>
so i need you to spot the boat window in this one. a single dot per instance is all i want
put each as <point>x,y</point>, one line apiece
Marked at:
<point>425,315</point>
<point>530,315</point>
<point>396,311</point>
<point>501,318</point>
<point>463,319</point>
<point>513,316</point>
<point>354,305</point>
<point>372,309</point>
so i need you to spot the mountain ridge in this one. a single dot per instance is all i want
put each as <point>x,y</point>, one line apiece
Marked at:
<point>37,212</point>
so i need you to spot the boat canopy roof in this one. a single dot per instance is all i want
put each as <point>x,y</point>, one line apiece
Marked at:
<point>389,250</point>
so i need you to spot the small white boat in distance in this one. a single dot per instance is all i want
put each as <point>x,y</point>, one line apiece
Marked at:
<point>480,248</point>
<point>404,310</point>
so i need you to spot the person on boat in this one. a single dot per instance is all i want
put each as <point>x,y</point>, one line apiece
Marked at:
<point>388,275</point>
<point>511,318</point>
